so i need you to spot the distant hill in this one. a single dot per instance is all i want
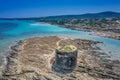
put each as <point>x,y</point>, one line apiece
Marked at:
<point>107,14</point>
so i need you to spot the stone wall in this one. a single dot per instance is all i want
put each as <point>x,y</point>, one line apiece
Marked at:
<point>65,61</point>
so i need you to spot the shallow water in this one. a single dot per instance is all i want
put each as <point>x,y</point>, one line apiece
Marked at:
<point>16,30</point>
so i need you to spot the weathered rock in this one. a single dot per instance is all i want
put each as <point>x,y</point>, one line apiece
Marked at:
<point>33,59</point>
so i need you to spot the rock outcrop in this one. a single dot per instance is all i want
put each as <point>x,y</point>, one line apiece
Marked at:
<point>32,59</point>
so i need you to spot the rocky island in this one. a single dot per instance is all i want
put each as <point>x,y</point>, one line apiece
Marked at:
<point>32,59</point>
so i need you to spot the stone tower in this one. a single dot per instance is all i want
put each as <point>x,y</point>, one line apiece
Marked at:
<point>65,59</point>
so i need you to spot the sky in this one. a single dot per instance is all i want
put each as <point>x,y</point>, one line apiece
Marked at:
<point>41,8</point>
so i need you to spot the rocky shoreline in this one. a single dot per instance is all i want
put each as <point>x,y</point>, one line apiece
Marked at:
<point>109,33</point>
<point>31,59</point>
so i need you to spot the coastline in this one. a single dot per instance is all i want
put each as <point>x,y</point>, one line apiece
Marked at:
<point>90,65</point>
<point>95,32</point>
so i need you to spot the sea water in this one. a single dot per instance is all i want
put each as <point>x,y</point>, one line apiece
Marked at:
<point>12,30</point>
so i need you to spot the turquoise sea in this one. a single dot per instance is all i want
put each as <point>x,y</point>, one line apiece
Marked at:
<point>12,30</point>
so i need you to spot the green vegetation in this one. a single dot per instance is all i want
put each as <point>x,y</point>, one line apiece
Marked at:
<point>67,48</point>
<point>100,23</point>
<point>104,21</point>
